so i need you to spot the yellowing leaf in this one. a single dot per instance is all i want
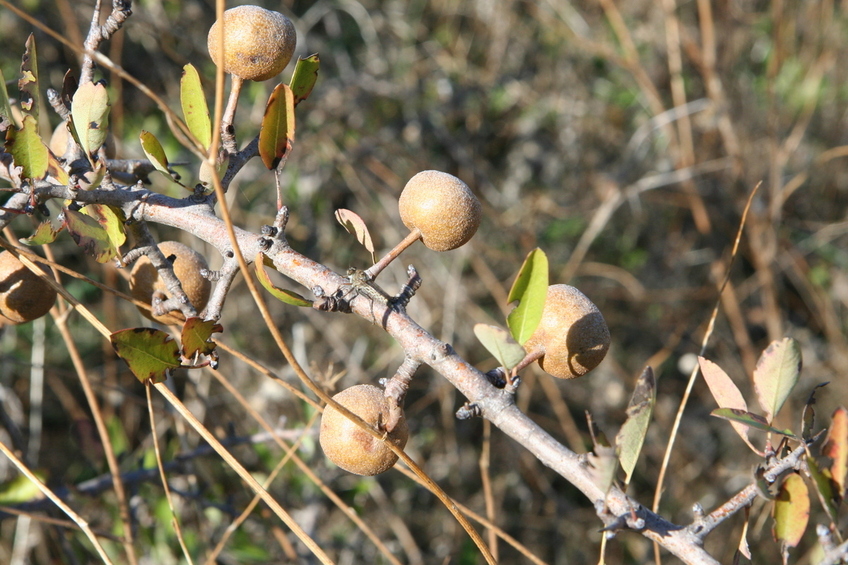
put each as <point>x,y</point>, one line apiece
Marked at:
<point>149,353</point>
<point>791,511</point>
<point>530,289</point>
<point>195,110</point>
<point>56,170</point>
<point>281,294</point>
<point>90,115</point>
<point>43,235</point>
<point>111,220</point>
<point>277,134</point>
<point>27,149</point>
<point>776,374</point>
<point>836,447</point>
<point>156,154</point>
<point>89,234</point>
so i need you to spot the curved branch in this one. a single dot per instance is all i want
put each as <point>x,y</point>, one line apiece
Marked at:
<point>196,216</point>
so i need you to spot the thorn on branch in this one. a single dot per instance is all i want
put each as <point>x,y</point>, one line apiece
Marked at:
<point>329,302</point>
<point>627,521</point>
<point>469,410</point>
<point>400,301</point>
<point>497,377</point>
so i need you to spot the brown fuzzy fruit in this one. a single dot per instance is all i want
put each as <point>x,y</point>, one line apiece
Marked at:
<point>24,296</point>
<point>349,446</point>
<point>572,334</point>
<point>443,209</point>
<point>144,280</point>
<point>258,43</point>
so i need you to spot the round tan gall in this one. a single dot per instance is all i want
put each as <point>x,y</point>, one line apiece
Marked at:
<point>24,296</point>
<point>349,446</point>
<point>258,43</point>
<point>145,280</point>
<point>443,209</point>
<point>572,334</point>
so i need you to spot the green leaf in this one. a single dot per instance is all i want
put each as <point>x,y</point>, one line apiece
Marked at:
<point>304,77</point>
<point>154,152</point>
<point>28,83</point>
<point>836,447</point>
<point>150,353</point>
<point>749,419</point>
<point>5,107</point>
<point>196,336</point>
<point>828,495</point>
<point>89,234</point>
<point>530,289</point>
<point>726,394</point>
<point>45,233</point>
<point>21,490</point>
<point>27,149</point>
<point>281,294</point>
<point>632,434</point>
<point>352,223</point>
<point>156,155</point>
<point>791,511</point>
<point>500,344</point>
<point>195,110</point>
<point>90,116</point>
<point>277,133</point>
<point>776,374</point>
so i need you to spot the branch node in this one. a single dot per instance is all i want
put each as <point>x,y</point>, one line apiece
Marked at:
<point>512,384</point>
<point>282,219</point>
<point>440,352</point>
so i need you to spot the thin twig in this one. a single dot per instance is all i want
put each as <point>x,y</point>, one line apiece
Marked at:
<point>175,522</point>
<point>78,520</point>
<point>243,473</point>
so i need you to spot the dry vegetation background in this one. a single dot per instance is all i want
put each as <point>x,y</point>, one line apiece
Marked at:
<point>623,138</point>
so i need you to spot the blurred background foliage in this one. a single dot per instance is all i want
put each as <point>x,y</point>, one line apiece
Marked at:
<point>622,138</point>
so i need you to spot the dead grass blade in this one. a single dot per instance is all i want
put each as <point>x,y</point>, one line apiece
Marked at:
<point>693,376</point>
